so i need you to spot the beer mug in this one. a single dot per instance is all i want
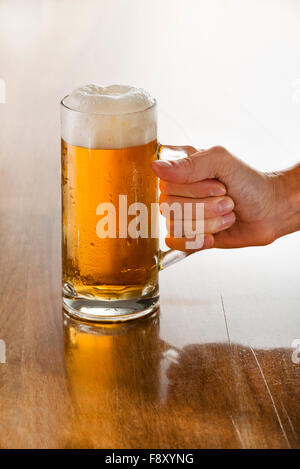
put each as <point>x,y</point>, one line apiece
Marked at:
<point>110,214</point>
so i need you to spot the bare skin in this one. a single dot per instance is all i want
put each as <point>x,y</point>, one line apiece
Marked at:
<point>242,206</point>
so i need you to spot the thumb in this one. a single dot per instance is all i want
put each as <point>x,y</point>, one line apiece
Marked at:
<point>200,165</point>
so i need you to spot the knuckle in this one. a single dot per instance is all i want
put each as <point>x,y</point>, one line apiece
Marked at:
<point>189,164</point>
<point>218,149</point>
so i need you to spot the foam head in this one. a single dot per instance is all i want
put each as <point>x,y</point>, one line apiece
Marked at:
<point>115,116</point>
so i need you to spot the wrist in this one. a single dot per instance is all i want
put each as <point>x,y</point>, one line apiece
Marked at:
<point>286,187</point>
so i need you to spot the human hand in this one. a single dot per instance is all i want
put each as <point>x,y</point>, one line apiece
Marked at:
<point>242,206</point>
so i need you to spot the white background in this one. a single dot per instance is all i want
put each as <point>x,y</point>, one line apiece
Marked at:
<point>224,71</point>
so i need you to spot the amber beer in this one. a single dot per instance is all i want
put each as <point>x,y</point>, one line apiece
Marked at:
<point>108,144</point>
<point>109,268</point>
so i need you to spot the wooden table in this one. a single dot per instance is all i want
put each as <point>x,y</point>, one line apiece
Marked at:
<point>214,369</point>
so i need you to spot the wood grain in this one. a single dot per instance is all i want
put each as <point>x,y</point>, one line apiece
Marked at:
<point>213,370</point>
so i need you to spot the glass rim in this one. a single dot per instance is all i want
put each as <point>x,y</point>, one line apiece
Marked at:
<point>153,105</point>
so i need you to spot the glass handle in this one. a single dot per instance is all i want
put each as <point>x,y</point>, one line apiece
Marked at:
<point>167,258</point>
<point>170,257</point>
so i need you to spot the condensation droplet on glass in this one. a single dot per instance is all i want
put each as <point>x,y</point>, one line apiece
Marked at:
<point>108,177</point>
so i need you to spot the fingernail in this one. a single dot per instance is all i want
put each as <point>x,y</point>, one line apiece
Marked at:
<point>225,205</point>
<point>227,219</point>
<point>163,164</point>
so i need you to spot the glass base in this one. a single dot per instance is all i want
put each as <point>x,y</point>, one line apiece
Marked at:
<point>110,311</point>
